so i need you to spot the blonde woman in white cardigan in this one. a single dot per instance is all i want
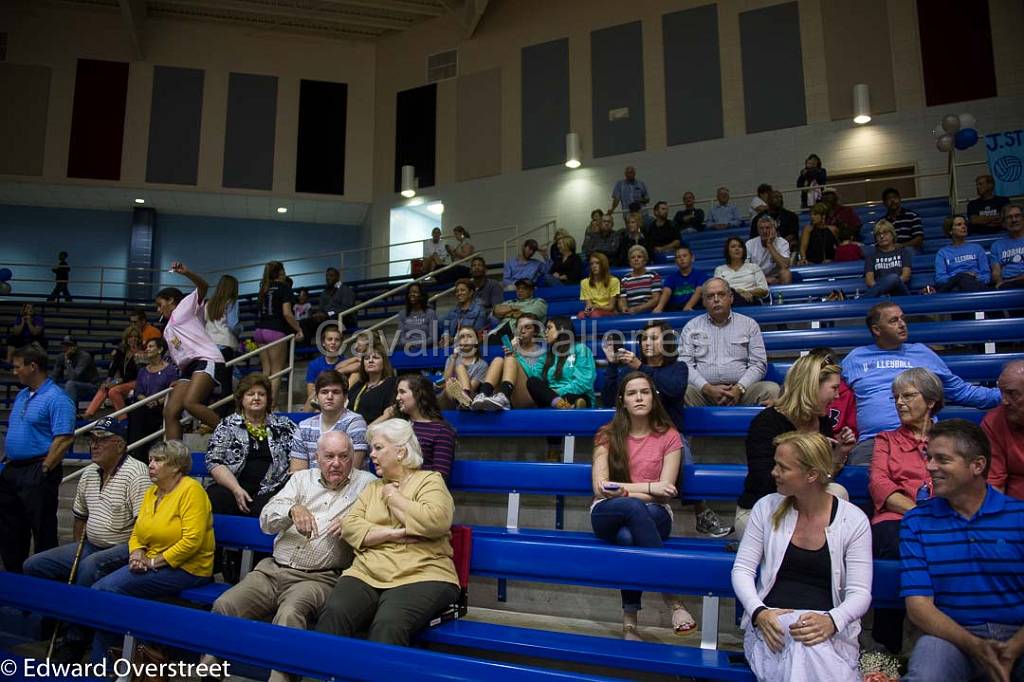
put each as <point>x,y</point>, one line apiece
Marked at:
<point>802,613</point>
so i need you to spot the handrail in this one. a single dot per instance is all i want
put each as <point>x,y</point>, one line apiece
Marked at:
<point>290,369</point>
<point>518,237</point>
<point>381,323</point>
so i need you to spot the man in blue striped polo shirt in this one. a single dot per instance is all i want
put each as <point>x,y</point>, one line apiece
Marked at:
<point>962,557</point>
<point>41,429</point>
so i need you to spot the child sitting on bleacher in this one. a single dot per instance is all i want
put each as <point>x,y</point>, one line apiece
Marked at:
<point>463,371</point>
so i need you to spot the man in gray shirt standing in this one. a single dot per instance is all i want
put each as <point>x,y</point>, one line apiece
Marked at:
<point>725,354</point>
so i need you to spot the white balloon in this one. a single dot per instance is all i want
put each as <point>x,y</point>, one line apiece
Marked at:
<point>968,121</point>
<point>951,123</point>
<point>945,143</point>
<point>938,131</point>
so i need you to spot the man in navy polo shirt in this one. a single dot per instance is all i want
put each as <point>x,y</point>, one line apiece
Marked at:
<point>42,426</point>
<point>962,560</point>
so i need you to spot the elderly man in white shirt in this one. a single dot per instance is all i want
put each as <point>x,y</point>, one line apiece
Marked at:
<point>770,252</point>
<point>309,554</point>
<point>725,354</point>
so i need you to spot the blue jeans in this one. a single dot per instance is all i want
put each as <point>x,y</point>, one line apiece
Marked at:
<point>162,582</point>
<point>95,563</point>
<point>888,284</point>
<point>74,388</point>
<point>631,523</point>
<point>937,659</point>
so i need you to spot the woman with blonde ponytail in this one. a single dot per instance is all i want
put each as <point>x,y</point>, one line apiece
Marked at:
<point>803,570</point>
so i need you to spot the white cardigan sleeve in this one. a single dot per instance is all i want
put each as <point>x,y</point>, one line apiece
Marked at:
<point>749,555</point>
<point>859,568</point>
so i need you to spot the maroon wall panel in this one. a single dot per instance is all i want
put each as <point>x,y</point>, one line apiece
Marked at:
<point>956,50</point>
<point>97,120</point>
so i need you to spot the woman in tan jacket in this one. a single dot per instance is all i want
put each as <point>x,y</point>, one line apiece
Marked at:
<point>402,575</point>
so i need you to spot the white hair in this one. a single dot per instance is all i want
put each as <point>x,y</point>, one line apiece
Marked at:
<point>399,432</point>
<point>326,439</point>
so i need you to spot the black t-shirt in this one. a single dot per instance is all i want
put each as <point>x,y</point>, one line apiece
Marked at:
<point>371,402</point>
<point>272,307</point>
<point>62,272</point>
<point>661,235</point>
<point>821,246</point>
<point>987,208</point>
<point>761,453</point>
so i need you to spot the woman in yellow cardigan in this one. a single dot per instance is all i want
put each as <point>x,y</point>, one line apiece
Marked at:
<point>171,547</point>
<point>402,575</point>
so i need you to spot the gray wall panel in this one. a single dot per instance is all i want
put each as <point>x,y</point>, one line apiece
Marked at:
<point>617,81</point>
<point>545,102</point>
<point>773,71</point>
<point>174,123</point>
<point>693,75</point>
<point>23,126</point>
<point>249,132</point>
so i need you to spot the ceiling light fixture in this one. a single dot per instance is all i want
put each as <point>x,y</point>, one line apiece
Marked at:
<point>282,209</point>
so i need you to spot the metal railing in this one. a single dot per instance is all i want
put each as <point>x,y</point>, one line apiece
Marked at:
<point>289,370</point>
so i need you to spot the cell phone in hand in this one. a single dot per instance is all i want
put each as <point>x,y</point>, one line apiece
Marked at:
<point>611,486</point>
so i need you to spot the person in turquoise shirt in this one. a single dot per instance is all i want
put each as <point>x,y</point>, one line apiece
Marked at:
<point>567,377</point>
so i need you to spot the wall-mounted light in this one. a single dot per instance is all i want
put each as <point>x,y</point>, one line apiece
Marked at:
<point>573,151</point>
<point>408,181</point>
<point>140,201</point>
<point>861,103</point>
<point>282,209</point>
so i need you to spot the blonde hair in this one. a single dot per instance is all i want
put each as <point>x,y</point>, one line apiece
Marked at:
<point>399,432</point>
<point>813,453</point>
<point>799,399</point>
<point>884,226</point>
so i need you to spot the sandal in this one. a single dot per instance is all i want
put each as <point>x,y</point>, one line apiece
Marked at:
<point>629,632</point>
<point>453,389</point>
<point>682,621</point>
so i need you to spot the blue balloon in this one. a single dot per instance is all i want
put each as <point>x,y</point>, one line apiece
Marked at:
<point>5,274</point>
<point>965,138</point>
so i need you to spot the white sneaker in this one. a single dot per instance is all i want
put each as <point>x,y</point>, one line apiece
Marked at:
<point>477,404</point>
<point>495,403</point>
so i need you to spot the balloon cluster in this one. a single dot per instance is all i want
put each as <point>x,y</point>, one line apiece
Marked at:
<point>955,131</point>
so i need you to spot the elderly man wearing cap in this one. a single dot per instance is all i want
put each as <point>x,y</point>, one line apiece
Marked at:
<point>309,555</point>
<point>76,371</point>
<point>106,503</point>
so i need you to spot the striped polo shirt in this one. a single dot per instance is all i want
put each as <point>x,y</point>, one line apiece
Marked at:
<point>308,435</point>
<point>908,225</point>
<point>638,288</point>
<point>109,508</point>
<point>973,568</point>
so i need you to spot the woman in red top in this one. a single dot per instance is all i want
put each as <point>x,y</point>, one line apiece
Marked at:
<point>899,479</point>
<point>635,468</point>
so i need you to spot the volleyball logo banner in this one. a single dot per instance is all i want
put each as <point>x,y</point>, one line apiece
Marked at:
<point>1006,161</point>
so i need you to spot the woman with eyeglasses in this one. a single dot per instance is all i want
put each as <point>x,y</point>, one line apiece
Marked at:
<point>810,387</point>
<point>898,479</point>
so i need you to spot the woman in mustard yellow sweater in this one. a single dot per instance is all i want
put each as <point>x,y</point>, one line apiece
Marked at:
<point>402,575</point>
<point>171,547</point>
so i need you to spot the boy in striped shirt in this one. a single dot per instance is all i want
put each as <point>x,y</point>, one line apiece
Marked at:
<point>962,556</point>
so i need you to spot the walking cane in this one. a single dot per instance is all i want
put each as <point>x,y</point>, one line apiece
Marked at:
<point>71,581</point>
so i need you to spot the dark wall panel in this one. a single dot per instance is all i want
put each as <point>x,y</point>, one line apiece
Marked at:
<point>23,126</point>
<point>175,120</point>
<point>97,120</point>
<point>416,133</point>
<point>847,63</point>
<point>545,103</point>
<point>249,131</point>
<point>320,157</point>
<point>956,50</point>
<point>693,75</point>
<point>773,68</point>
<point>617,82</point>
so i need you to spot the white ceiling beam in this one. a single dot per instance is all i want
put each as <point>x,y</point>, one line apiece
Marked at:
<point>133,12</point>
<point>270,11</point>
<point>467,13</point>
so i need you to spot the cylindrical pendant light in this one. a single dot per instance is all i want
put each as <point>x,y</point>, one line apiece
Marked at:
<point>861,103</point>
<point>573,153</point>
<point>408,181</point>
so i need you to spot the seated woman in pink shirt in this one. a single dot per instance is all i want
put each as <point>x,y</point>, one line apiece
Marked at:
<point>198,358</point>
<point>636,465</point>
<point>899,480</point>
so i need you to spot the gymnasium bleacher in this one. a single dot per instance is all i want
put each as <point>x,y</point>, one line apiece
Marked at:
<point>531,538</point>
